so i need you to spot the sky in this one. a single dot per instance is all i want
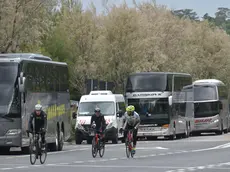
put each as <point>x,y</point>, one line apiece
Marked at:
<point>199,6</point>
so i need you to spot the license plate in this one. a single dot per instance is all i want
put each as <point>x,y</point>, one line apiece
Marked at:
<point>147,129</point>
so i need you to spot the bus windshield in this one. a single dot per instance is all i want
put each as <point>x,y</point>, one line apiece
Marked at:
<point>87,108</point>
<point>157,107</point>
<point>8,75</point>
<point>206,109</point>
<point>202,93</point>
<point>145,83</point>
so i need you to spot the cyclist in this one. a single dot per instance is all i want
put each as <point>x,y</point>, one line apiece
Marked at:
<point>98,122</point>
<point>131,121</point>
<point>40,122</point>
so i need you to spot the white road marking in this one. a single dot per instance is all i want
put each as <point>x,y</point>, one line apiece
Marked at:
<point>22,167</point>
<point>210,166</point>
<point>79,162</point>
<point>103,160</point>
<point>11,164</point>
<point>117,166</point>
<point>221,168</point>
<point>112,159</point>
<point>150,148</point>
<point>92,161</point>
<point>49,153</point>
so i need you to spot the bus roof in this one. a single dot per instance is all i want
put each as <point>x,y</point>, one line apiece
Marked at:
<point>18,57</point>
<point>150,73</point>
<point>188,86</point>
<point>208,82</point>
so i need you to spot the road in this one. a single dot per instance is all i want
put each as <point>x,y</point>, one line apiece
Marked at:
<point>204,153</point>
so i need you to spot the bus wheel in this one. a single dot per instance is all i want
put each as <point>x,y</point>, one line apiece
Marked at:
<point>60,141</point>
<point>172,137</point>
<point>221,130</point>
<point>186,134</point>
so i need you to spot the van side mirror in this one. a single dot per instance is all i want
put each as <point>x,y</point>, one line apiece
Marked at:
<point>119,113</point>
<point>170,100</point>
<point>21,83</point>
<point>74,115</point>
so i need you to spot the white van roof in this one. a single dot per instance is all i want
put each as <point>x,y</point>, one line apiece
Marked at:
<point>102,96</point>
<point>99,92</point>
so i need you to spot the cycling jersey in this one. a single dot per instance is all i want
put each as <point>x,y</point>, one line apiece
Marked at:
<point>132,120</point>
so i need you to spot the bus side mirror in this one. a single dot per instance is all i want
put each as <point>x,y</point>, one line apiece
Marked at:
<point>74,115</point>
<point>170,100</point>
<point>119,114</point>
<point>21,83</point>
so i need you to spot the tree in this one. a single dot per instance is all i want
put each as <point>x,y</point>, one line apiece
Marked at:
<point>186,13</point>
<point>22,23</point>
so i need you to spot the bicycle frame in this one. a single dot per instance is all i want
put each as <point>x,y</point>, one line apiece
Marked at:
<point>36,142</point>
<point>130,138</point>
<point>35,139</point>
<point>97,137</point>
<point>128,143</point>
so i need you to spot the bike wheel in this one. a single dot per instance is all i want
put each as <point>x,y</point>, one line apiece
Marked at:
<point>33,153</point>
<point>102,150</point>
<point>131,151</point>
<point>43,156</point>
<point>127,148</point>
<point>94,148</point>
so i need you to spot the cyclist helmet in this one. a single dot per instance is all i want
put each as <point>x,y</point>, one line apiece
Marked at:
<point>38,107</point>
<point>97,109</point>
<point>130,109</point>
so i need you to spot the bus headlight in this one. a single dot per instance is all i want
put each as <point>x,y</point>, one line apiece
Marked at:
<point>215,121</point>
<point>13,132</point>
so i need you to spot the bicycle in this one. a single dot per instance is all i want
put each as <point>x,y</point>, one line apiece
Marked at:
<point>129,143</point>
<point>97,144</point>
<point>36,148</point>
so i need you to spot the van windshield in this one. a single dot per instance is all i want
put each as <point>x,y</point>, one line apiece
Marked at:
<point>87,108</point>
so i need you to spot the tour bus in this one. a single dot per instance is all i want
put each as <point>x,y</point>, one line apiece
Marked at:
<point>155,97</point>
<point>112,106</point>
<point>211,106</point>
<point>25,80</point>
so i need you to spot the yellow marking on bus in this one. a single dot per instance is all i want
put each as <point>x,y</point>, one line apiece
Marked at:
<point>54,110</point>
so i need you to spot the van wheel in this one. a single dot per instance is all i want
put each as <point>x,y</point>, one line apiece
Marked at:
<point>4,150</point>
<point>78,138</point>
<point>115,140</point>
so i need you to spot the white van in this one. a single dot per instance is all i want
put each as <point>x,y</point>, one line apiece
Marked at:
<point>112,107</point>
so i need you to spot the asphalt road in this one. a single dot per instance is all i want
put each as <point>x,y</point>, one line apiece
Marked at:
<point>203,153</point>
